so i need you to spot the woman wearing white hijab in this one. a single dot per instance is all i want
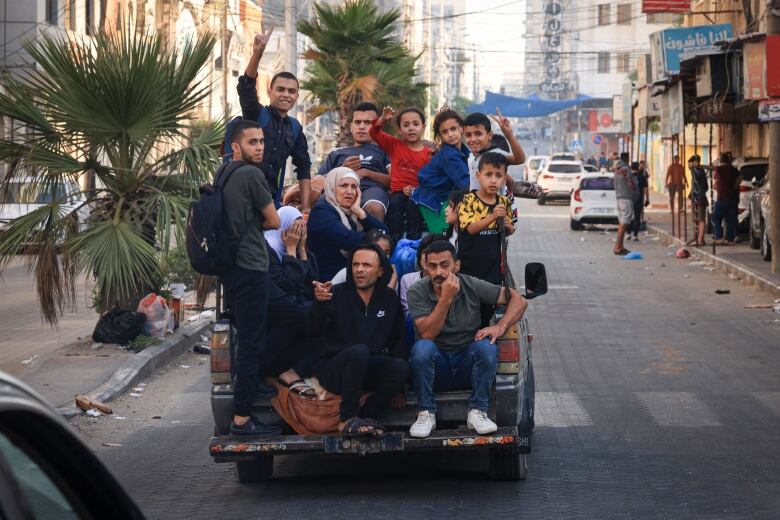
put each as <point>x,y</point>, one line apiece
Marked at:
<point>338,222</point>
<point>291,265</point>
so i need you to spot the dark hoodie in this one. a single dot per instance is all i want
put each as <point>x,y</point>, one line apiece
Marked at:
<point>345,321</point>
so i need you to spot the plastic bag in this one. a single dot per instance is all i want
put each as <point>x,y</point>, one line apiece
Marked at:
<point>118,326</point>
<point>404,258</point>
<point>158,315</point>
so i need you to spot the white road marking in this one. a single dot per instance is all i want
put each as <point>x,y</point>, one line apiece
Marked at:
<point>770,399</point>
<point>677,409</point>
<point>560,410</point>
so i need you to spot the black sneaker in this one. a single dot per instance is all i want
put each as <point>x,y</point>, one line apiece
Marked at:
<point>253,428</point>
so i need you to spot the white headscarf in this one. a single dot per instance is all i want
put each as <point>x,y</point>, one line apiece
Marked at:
<point>331,181</point>
<point>287,215</point>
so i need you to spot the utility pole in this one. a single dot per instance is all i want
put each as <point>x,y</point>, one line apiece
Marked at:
<point>291,38</point>
<point>773,28</point>
<point>225,43</point>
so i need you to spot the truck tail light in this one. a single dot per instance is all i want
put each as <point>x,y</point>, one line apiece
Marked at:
<point>220,352</point>
<point>577,196</point>
<point>509,352</point>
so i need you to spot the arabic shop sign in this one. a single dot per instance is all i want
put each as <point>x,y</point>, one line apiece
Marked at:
<point>668,45</point>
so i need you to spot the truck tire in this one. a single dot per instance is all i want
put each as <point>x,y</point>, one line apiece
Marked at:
<point>507,463</point>
<point>541,200</point>
<point>252,471</point>
<point>576,225</point>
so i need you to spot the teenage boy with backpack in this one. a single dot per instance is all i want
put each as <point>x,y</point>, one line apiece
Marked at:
<point>248,209</point>
<point>284,135</point>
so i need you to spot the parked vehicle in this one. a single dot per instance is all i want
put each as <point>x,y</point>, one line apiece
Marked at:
<point>24,196</point>
<point>593,201</point>
<point>563,156</point>
<point>590,168</point>
<point>760,219</point>
<point>533,165</point>
<point>46,471</point>
<point>752,170</point>
<point>557,180</point>
<point>512,408</point>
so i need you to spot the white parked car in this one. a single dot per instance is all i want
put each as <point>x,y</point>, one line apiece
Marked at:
<point>533,165</point>
<point>23,196</point>
<point>752,170</point>
<point>557,180</point>
<point>593,201</point>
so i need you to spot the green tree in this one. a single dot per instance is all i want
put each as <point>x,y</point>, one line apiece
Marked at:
<point>355,56</point>
<point>117,108</point>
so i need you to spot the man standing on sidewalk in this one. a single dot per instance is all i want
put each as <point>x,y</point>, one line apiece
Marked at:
<point>699,202</point>
<point>641,197</point>
<point>726,180</point>
<point>283,134</point>
<point>249,209</point>
<point>676,183</point>
<point>625,187</point>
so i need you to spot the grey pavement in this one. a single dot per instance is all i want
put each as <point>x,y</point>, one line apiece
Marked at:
<point>24,335</point>
<point>656,398</point>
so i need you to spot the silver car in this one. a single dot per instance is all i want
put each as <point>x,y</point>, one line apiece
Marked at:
<point>760,219</point>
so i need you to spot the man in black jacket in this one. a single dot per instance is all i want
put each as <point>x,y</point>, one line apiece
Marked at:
<point>361,325</point>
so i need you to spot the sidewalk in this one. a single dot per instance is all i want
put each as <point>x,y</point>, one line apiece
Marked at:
<point>738,261</point>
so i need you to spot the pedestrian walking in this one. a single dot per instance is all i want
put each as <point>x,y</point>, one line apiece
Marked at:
<point>641,197</point>
<point>699,202</point>
<point>676,183</point>
<point>625,187</point>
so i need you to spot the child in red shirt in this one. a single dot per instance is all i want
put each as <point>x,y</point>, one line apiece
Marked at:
<point>407,156</point>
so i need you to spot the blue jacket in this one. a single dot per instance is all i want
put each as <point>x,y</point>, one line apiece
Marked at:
<point>447,170</point>
<point>328,236</point>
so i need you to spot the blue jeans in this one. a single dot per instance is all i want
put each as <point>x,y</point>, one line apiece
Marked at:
<point>725,209</point>
<point>472,367</point>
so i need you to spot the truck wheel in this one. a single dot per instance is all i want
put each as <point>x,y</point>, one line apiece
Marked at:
<point>508,464</point>
<point>252,471</point>
<point>541,200</point>
<point>576,225</point>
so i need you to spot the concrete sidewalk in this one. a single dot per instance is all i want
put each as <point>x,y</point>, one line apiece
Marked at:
<point>738,261</point>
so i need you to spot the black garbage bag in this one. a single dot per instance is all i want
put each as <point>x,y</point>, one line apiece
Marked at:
<point>118,326</point>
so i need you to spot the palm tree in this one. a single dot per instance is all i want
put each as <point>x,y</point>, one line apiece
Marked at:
<point>115,108</point>
<point>355,56</point>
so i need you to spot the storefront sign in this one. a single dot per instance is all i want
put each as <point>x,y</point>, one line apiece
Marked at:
<point>601,121</point>
<point>769,110</point>
<point>668,45</point>
<point>754,66</point>
<point>648,106</point>
<point>627,98</point>
<point>773,73</point>
<point>672,111</point>
<point>666,6</point>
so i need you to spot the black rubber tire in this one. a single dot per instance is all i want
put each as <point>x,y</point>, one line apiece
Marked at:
<point>766,247</point>
<point>575,225</point>
<point>252,471</point>
<point>755,241</point>
<point>507,463</point>
<point>541,201</point>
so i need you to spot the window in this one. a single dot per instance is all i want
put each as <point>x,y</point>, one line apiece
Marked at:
<point>603,14</point>
<point>603,63</point>
<point>623,62</point>
<point>564,168</point>
<point>624,14</point>
<point>664,18</point>
<point>598,184</point>
<point>52,8</point>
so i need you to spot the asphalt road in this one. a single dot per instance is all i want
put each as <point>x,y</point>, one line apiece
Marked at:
<point>656,398</point>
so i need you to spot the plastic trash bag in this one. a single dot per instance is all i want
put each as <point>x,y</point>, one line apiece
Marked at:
<point>158,315</point>
<point>118,326</point>
<point>404,258</point>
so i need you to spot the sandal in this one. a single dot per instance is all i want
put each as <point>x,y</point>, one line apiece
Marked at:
<point>622,252</point>
<point>302,389</point>
<point>355,428</point>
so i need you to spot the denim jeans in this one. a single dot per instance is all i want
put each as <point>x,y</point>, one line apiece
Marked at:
<point>724,209</point>
<point>246,293</point>
<point>473,367</point>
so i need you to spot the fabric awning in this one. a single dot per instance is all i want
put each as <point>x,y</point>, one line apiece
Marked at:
<point>531,106</point>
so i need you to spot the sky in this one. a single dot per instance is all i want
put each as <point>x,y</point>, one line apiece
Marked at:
<point>498,31</point>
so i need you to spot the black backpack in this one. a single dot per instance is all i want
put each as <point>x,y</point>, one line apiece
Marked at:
<point>210,245</point>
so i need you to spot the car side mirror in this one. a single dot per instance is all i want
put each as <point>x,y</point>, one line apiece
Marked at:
<point>535,280</point>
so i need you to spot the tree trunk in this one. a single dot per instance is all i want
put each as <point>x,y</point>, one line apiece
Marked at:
<point>345,134</point>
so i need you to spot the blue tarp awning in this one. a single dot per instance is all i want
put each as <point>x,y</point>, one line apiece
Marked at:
<point>531,106</point>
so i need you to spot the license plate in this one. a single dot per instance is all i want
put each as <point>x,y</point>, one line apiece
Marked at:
<point>565,179</point>
<point>603,211</point>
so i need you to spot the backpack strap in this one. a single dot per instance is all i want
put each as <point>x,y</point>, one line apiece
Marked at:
<point>225,172</point>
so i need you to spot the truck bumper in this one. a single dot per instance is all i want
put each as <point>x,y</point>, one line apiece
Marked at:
<point>225,449</point>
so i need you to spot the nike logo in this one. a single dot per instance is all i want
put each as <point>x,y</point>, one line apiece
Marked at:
<point>380,314</point>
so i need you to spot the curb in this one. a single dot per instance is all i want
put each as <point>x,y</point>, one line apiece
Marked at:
<point>722,265</point>
<point>141,366</point>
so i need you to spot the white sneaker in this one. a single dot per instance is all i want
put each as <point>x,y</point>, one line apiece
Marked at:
<point>426,421</point>
<point>479,420</point>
